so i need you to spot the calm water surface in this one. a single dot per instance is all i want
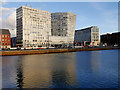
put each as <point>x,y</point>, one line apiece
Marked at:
<point>86,69</point>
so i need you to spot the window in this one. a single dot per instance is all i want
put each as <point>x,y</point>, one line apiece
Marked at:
<point>2,39</point>
<point>5,35</point>
<point>2,43</point>
<point>5,39</point>
<point>2,35</point>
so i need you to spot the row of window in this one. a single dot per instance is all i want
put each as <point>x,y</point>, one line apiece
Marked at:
<point>96,37</point>
<point>95,29</point>
<point>5,40</point>
<point>35,44</point>
<point>59,34</point>
<point>65,29</point>
<point>35,41</point>
<point>95,40</point>
<point>5,36</point>
<point>5,44</point>
<point>36,11</point>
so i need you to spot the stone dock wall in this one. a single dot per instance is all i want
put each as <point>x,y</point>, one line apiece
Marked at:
<point>45,51</point>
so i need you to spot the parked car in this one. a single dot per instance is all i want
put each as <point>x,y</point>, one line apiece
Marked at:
<point>78,46</point>
<point>13,48</point>
<point>115,45</point>
<point>39,48</point>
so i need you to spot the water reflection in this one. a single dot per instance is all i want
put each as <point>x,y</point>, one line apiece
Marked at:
<point>95,61</point>
<point>9,71</point>
<point>19,72</point>
<point>36,70</point>
<point>63,70</point>
<point>40,71</point>
<point>92,69</point>
<point>98,68</point>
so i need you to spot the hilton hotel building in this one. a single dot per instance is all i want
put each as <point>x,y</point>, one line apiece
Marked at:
<point>33,27</point>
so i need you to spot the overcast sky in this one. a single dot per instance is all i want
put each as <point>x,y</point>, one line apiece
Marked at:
<point>101,14</point>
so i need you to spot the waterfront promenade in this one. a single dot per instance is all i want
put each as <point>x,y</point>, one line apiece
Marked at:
<point>45,51</point>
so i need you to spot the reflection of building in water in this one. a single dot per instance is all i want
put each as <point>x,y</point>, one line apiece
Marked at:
<point>36,70</point>
<point>48,70</point>
<point>12,72</point>
<point>63,70</point>
<point>19,76</point>
<point>95,63</point>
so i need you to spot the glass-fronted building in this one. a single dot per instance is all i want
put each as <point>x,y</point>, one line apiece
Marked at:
<point>87,36</point>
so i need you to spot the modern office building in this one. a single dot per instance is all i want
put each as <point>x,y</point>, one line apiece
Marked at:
<point>41,28</point>
<point>33,27</point>
<point>5,38</point>
<point>87,36</point>
<point>13,42</point>
<point>110,39</point>
<point>62,27</point>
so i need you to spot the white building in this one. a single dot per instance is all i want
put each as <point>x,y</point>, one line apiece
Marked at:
<point>33,27</point>
<point>41,28</point>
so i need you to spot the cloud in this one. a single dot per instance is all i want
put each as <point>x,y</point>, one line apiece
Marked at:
<point>3,2</point>
<point>8,19</point>
<point>9,22</point>
<point>6,11</point>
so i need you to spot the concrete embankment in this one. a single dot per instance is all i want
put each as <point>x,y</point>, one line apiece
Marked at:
<point>28,52</point>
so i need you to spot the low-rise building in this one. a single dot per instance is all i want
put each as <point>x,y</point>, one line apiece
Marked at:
<point>60,41</point>
<point>110,39</point>
<point>87,36</point>
<point>5,38</point>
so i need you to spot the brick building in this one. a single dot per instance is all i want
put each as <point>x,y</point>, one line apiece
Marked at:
<point>111,39</point>
<point>5,39</point>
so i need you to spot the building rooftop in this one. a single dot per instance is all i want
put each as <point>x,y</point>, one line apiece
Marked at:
<point>4,31</point>
<point>63,13</point>
<point>31,8</point>
<point>110,33</point>
<point>85,28</point>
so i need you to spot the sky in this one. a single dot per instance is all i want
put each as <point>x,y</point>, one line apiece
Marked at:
<point>101,14</point>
